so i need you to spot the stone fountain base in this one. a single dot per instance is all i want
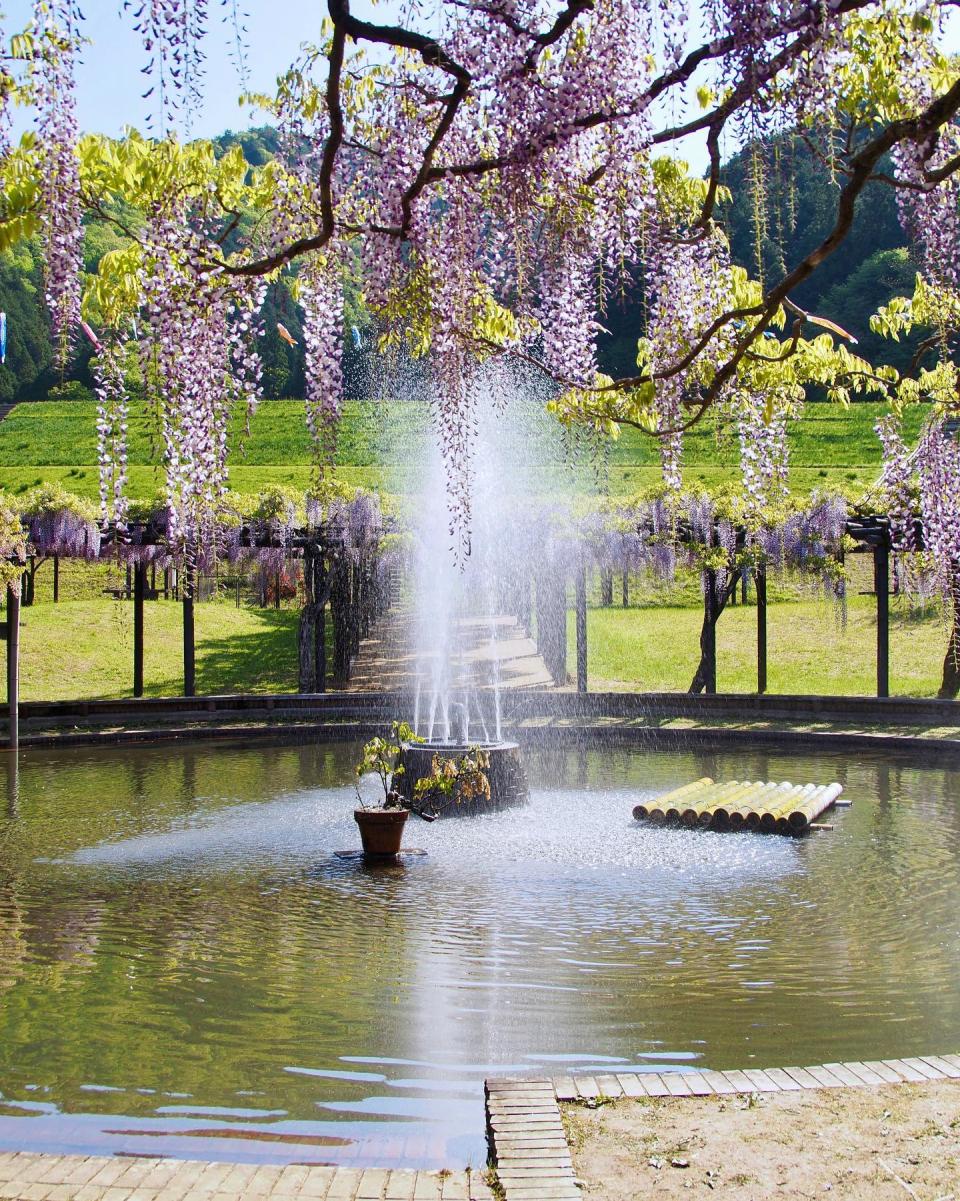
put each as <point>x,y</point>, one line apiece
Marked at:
<point>508,780</point>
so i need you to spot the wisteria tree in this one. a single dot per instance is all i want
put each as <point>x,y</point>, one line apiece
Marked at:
<point>494,169</point>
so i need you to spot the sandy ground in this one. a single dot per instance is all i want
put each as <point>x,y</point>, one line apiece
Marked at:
<point>878,1144</point>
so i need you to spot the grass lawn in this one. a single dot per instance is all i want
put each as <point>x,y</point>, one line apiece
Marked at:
<point>84,649</point>
<point>656,649</point>
<point>51,440</point>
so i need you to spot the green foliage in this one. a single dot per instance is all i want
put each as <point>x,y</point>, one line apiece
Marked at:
<point>28,369</point>
<point>274,504</point>
<point>854,300</point>
<point>13,546</point>
<point>51,498</point>
<point>47,441</point>
<point>71,390</point>
<point>453,779</point>
<point>798,202</point>
<point>381,758</point>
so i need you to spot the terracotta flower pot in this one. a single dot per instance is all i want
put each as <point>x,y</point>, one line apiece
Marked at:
<point>381,830</point>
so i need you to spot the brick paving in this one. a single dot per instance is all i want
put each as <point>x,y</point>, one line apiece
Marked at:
<point>36,1177</point>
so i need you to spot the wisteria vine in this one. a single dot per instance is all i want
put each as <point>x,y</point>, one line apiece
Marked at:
<point>494,172</point>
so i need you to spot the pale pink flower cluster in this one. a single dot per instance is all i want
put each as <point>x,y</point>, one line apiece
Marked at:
<point>61,231</point>
<point>112,429</point>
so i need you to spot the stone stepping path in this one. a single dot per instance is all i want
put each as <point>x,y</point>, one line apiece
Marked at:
<point>495,647</point>
<point>702,1083</point>
<point>37,1177</point>
<point>527,1142</point>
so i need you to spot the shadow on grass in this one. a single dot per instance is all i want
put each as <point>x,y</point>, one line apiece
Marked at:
<point>263,659</point>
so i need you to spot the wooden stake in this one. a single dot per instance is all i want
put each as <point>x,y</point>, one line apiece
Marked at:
<point>189,643</point>
<point>881,585</point>
<point>760,579</point>
<point>139,587</point>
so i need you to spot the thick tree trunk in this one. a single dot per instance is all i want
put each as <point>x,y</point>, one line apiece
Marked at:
<point>715,601</point>
<point>552,623</point>
<point>950,684</point>
<point>311,635</point>
<point>341,616</point>
<point>606,588</point>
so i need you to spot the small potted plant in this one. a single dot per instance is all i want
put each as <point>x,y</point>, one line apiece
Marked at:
<point>381,825</point>
<point>452,781</point>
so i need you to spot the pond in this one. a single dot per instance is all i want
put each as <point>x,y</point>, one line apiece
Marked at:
<point>187,969</point>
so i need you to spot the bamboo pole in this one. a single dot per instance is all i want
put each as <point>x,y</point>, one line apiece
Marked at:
<point>656,808</point>
<point>722,795</point>
<point>783,817</point>
<point>678,802</point>
<point>783,808</point>
<point>702,807</point>
<point>808,812</point>
<point>752,806</point>
<point>643,809</point>
<point>766,799</point>
<point>724,814</point>
<point>795,795</point>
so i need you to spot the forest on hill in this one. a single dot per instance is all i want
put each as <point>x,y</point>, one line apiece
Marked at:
<point>782,203</point>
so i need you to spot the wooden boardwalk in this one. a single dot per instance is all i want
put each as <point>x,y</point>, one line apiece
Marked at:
<point>742,804</point>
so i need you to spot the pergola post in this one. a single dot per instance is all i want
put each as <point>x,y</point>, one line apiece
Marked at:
<point>709,641</point>
<point>139,587</point>
<point>13,665</point>
<point>881,586</point>
<point>581,602</point>
<point>189,644</point>
<point>760,583</point>
<point>320,646</point>
<point>56,579</point>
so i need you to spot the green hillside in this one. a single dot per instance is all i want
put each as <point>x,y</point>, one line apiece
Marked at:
<point>831,446</point>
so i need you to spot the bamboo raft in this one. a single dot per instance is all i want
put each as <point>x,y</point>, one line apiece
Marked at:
<point>742,805</point>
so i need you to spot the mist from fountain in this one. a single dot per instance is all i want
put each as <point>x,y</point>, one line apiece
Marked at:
<point>466,608</point>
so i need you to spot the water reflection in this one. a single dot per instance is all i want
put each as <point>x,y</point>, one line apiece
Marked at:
<point>187,968</point>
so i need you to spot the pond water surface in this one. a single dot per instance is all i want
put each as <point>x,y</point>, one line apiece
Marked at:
<point>187,969</point>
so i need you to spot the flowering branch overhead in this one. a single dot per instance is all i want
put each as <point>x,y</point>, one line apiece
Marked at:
<point>492,171</point>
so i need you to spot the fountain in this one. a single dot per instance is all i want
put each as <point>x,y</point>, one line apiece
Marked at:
<point>505,773</point>
<point>472,601</point>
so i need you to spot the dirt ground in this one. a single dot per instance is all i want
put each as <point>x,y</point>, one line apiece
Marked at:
<point>875,1144</point>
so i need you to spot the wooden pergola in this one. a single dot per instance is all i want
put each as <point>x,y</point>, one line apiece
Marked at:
<point>872,536</point>
<point>337,574</point>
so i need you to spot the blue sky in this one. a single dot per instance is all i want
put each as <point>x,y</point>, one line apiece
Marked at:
<point>110,82</point>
